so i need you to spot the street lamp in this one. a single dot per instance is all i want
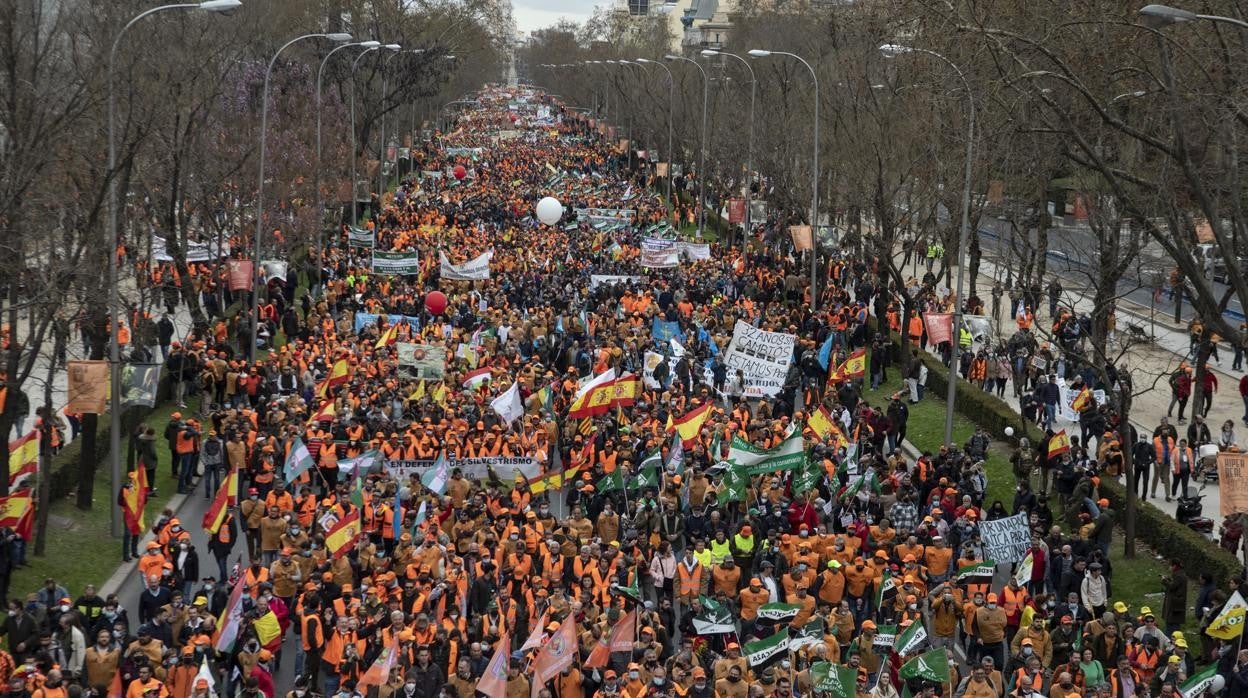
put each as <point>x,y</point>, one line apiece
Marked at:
<point>890,50</point>
<point>114,234</point>
<point>1164,15</point>
<point>814,177</point>
<point>354,176</point>
<point>264,125</point>
<point>395,50</point>
<point>702,154</point>
<point>749,152</point>
<point>671,110</point>
<point>319,198</point>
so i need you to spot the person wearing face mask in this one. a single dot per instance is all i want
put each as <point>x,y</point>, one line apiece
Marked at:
<point>634,683</point>
<point>610,687</point>
<point>1042,644</point>
<point>989,631</point>
<point>186,565</point>
<point>732,685</point>
<point>463,680</point>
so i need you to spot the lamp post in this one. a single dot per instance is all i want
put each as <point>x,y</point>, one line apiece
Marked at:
<point>1162,15</point>
<point>264,126</point>
<point>381,146</point>
<point>671,109</point>
<point>702,155</point>
<point>814,177</point>
<point>320,199</point>
<point>354,176</point>
<point>114,234</point>
<point>963,233</point>
<point>749,150</point>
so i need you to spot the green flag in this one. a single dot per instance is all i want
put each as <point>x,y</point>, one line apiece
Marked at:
<point>632,591</point>
<point>759,651</point>
<point>911,639</point>
<point>932,666</point>
<point>611,482</point>
<point>778,611</point>
<point>645,477</point>
<point>978,573</point>
<point>885,636</point>
<point>886,591</point>
<point>735,484</point>
<point>808,476</point>
<point>1199,682</point>
<point>809,634</point>
<point>833,679</point>
<point>757,461</point>
<point>714,621</point>
<point>708,604</point>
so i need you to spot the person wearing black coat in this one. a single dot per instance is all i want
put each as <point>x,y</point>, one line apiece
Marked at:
<point>1233,666</point>
<point>152,599</point>
<point>21,630</point>
<point>186,567</point>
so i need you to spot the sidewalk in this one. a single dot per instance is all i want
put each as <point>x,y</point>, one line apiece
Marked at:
<point>1150,362</point>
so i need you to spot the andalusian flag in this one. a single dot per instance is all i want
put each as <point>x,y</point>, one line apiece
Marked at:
<point>1199,682</point>
<point>930,666</point>
<point>1230,622</point>
<point>299,460</point>
<point>435,478</point>
<point>342,537</point>
<point>759,652</point>
<point>227,496</point>
<point>1059,444</point>
<point>690,425</point>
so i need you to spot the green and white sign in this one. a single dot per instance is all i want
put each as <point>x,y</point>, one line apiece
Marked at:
<point>396,263</point>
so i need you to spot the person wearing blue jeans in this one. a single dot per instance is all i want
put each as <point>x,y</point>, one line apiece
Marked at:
<point>187,472</point>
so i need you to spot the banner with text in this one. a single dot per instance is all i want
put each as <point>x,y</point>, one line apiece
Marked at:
<point>657,253</point>
<point>1006,540</point>
<point>421,361</point>
<point>597,280</point>
<point>359,237</point>
<point>504,467</point>
<point>1233,482</point>
<point>762,356</point>
<point>473,270</point>
<point>396,263</point>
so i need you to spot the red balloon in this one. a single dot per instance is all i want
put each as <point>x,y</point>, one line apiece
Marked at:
<point>435,302</point>
<point>513,118</point>
<point>460,172</point>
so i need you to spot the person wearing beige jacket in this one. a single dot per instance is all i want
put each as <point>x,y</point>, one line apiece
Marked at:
<point>1042,645</point>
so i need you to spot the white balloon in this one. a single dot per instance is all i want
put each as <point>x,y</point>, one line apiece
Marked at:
<point>549,210</point>
<point>1009,431</point>
<point>1217,684</point>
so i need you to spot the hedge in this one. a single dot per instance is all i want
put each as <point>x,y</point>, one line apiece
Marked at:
<point>1163,532</point>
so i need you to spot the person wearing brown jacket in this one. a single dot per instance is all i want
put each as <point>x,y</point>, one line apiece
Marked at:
<point>1042,646</point>
<point>988,629</point>
<point>271,529</point>
<point>101,662</point>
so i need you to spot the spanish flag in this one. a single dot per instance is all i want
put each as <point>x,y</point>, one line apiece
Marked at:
<point>327,413</point>
<point>624,390</point>
<point>855,365</point>
<point>342,537</point>
<point>134,498</point>
<point>23,458</point>
<point>227,496</point>
<point>593,402</point>
<point>1059,444</point>
<point>690,425</point>
<point>821,423</point>
<point>1082,400</point>
<point>388,337</point>
<point>17,511</point>
<point>338,374</point>
<point>268,629</point>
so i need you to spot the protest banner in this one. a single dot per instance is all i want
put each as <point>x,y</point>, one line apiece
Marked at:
<point>421,361</point>
<point>360,237</point>
<point>396,263</point>
<point>1233,482</point>
<point>736,210</point>
<point>597,280</point>
<point>504,467</point>
<point>140,382</point>
<point>762,356</point>
<point>474,269</point>
<point>649,362</point>
<point>240,274</point>
<point>801,237</point>
<point>88,386</point>
<point>1006,540</point>
<point>273,269</point>
<point>657,253</point>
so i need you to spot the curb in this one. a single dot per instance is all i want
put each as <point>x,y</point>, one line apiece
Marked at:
<point>114,583</point>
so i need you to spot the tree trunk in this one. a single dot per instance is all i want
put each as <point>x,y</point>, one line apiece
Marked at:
<point>974,254</point>
<point>45,452</point>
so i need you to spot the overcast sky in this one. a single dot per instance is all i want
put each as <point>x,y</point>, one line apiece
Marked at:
<point>537,14</point>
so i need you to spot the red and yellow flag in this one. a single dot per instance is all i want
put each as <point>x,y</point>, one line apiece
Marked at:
<point>593,402</point>
<point>17,511</point>
<point>23,458</point>
<point>390,336</point>
<point>690,425</point>
<point>344,534</point>
<point>1059,444</point>
<point>338,374</point>
<point>227,496</point>
<point>134,498</point>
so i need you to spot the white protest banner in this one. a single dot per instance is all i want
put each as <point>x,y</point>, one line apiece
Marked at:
<point>397,263</point>
<point>596,280</point>
<point>696,251</point>
<point>657,253</point>
<point>472,270</point>
<point>649,362</point>
<point>473,468</point>
<point>762,356</point>
<point>273,269</point>
<point>194,251</point>
<point>1065,403</point>
<point>1006,540</point>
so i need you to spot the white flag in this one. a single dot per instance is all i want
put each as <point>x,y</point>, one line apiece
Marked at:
<point>206,674</point>
<point>509,406</point>
<point>678,349</point>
